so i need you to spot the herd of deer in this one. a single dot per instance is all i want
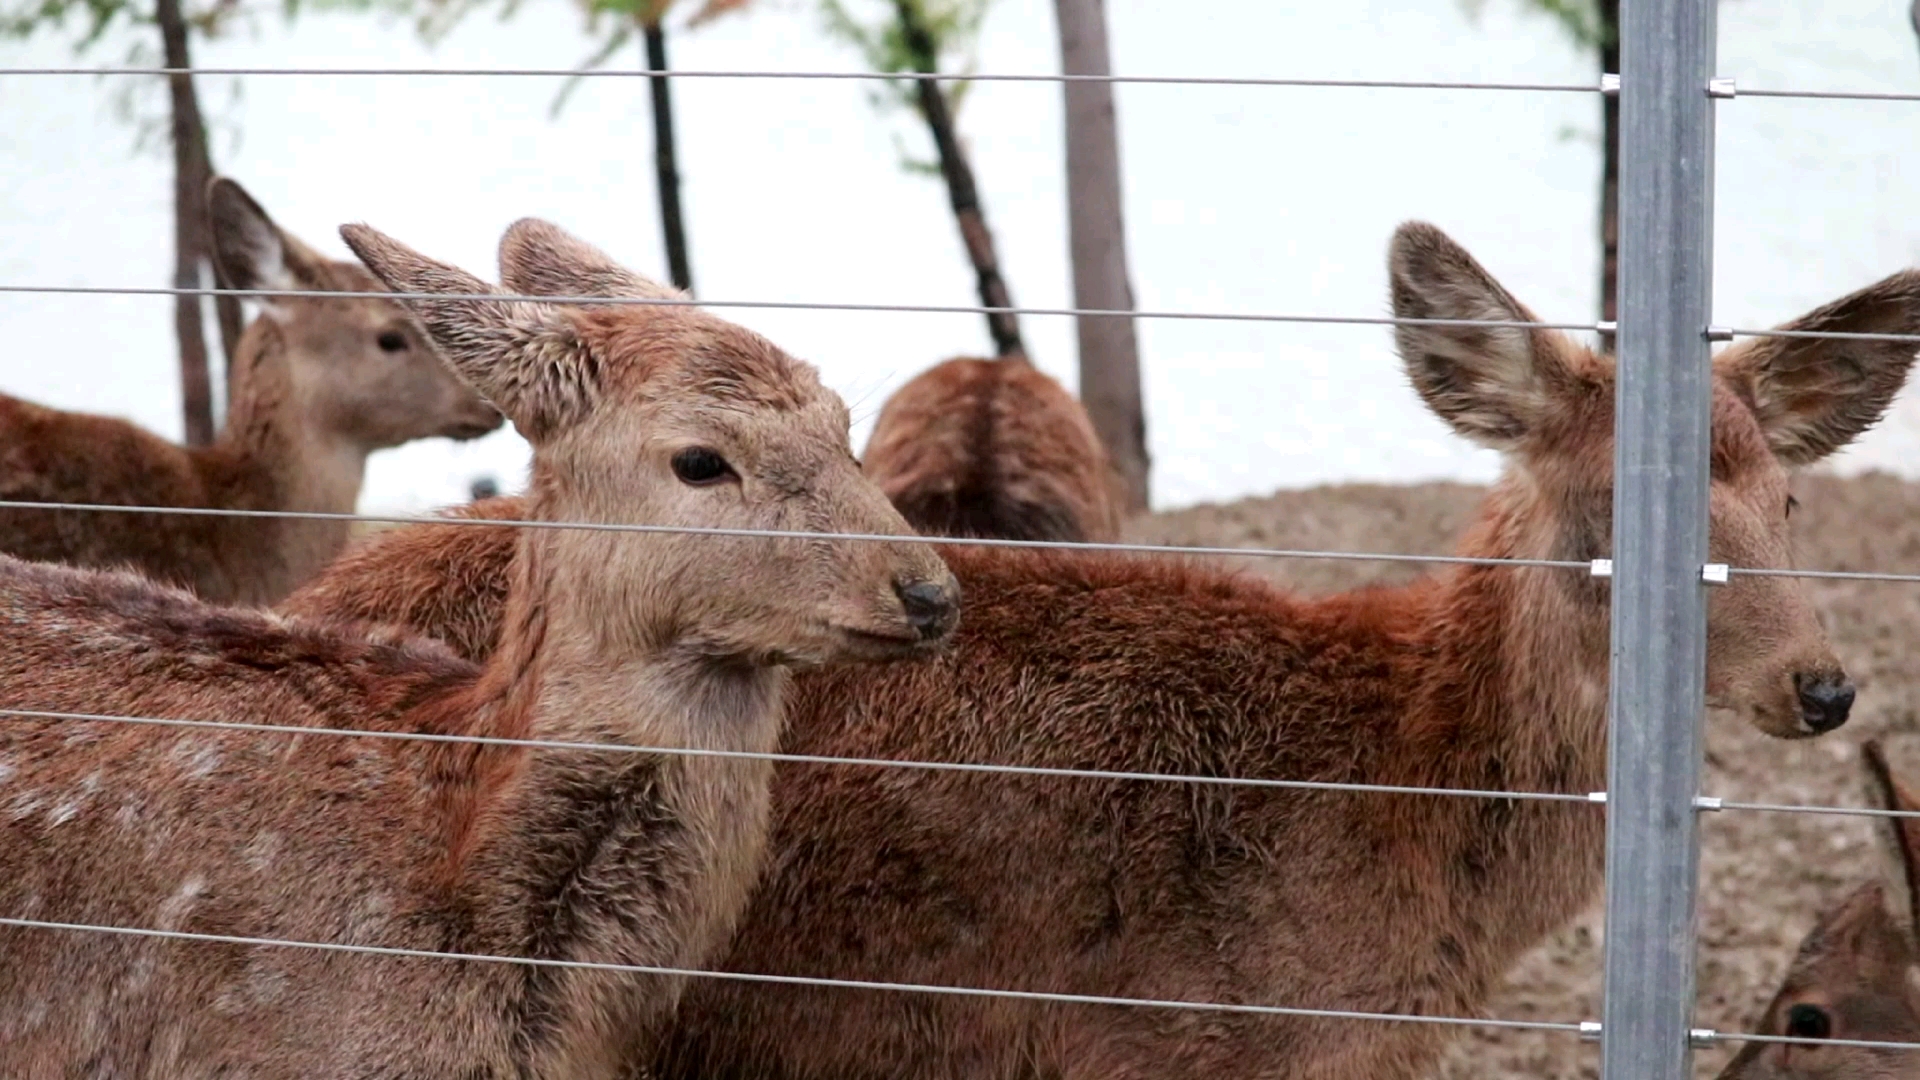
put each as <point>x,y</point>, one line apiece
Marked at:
<point>609,874</point>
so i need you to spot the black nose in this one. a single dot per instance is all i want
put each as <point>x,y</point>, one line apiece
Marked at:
<point>1825,701</point>
<point>930,607</point>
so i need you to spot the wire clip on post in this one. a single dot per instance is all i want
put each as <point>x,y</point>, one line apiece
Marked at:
<point>1721,88</point>
<point>1719,333</point>
<point>1610,86</point>
<point>1708,802</point>
<point>1589,1031</point>
<point>1601,568</point>
<point>1702,1038</point>
<point>1715,573</point>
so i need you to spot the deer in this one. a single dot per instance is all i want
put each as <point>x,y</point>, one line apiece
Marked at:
<point>1483,677</point>
<point>586,862</point>
<point>1854,977</point>
<point>975,447</point>
<point>318,384</point>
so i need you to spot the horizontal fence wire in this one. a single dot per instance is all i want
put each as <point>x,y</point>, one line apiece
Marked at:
<point>799,305</point>
<point>1797,808</point>
<point>794,534</point>
<point>801,980</point>
<point>858,76</point>
<point>811,759</point>
<point>1864,1044</point>
<point>1825,335</point>
<point>1827,575</point>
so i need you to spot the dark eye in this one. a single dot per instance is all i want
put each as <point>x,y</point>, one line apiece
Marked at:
<point>392,341</point>
<point>1791,503</point>
<point>1808,1022</point>
<point>698,465</point>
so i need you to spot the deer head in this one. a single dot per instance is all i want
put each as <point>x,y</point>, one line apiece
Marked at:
<point>640,414</point>
<point>1853,977</point>
<point>1547,404</point>
<point>361,367</point>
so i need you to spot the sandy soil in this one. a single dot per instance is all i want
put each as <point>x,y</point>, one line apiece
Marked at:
<point>1765,877</point>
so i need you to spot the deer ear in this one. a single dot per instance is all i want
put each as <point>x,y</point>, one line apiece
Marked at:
<point>1891,794</point>
<point>1816,395</point>
<point>1492,383</point>
<point>529,360</point>
<point>251,252</point>
<point>539,258</point>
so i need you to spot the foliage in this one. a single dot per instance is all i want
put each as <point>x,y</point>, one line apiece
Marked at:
<point>1579,19</point>
<point>952,28</point>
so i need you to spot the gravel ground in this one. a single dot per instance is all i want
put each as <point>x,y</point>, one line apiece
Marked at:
<point>1765,877</point>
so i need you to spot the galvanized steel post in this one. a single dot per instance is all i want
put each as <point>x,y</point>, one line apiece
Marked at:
<point>1659,535</point>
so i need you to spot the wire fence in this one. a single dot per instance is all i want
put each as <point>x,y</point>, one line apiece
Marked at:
<point>1633,1054</point>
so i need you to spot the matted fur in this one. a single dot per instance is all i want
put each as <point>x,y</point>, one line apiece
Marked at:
<point>1481,677</point>
<point>1856,967</point>
<point>658,640</point>
<point>994,448</point>
<point>315,391</point>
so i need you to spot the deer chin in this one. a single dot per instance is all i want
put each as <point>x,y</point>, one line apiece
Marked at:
<point>872,644</point>
<point>1777,715</point>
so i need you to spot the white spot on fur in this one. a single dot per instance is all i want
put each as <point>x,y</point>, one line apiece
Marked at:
<point>174,909</point>
<point>6,770</point>
<point>262,850</point>
<point>64,813</point>
<point>23,805</point>
<point>196,759</point>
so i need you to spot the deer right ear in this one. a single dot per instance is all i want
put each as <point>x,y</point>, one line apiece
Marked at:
<point>529,360</point>
<point>539,258</point>
<point>1492,383</point>
<point>1891,794</point>
<point>251,252</point>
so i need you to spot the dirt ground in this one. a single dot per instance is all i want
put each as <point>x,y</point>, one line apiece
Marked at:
<point>1765,877</point>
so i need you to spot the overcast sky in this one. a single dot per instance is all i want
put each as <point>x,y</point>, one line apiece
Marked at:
<point>1276,200</point>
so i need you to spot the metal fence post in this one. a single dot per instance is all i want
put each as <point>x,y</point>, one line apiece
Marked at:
<point>1659,535</point>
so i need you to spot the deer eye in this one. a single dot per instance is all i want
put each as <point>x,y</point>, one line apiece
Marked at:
<point>1791,503</point>
<point>392,341</point>
<point>1808,1022</point>
<point>700,466</point>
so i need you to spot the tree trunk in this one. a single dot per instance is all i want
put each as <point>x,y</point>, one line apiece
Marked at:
<point>1609,11</point>
<point>1096,231</point>
<point>665,163</point>
<point>189,226</point>
<point>962,195</point>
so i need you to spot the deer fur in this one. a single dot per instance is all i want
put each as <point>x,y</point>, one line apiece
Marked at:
<point>993,448</point>
<point>1487,677</point>
<point>318,385</point>
<point>1855,975</point>
<point>636,415</point>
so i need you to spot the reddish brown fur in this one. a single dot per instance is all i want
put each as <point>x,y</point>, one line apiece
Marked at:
<point>1855,976</point>
<point>314,394</point>
<point>664,640</point>
<point>993,448</point>
<point>1481,677</point>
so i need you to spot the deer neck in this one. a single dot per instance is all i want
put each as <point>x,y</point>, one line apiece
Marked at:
<point>629,858</point>
<point>276,453</point>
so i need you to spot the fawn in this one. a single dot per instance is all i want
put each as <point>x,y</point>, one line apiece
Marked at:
<point>318,385</point>
<point>1854,977</point>
<point>993,448</point>
<point>637,416</point>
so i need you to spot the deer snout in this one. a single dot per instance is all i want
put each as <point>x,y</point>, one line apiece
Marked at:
<point>932,607</point>
<point>1825,700</point>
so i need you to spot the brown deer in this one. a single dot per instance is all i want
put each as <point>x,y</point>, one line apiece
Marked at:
<point>1854,977</point>
<point>993,448</point>
<point>318,385</point>
<point>1484,677</point>
<point>636,415</point>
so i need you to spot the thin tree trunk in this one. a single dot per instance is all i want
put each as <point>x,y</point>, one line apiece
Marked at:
<point>1096,232</point>
<point>1609,11</point>
<point>665,163</point>
<point>189,226</point>
<point>961,192</point>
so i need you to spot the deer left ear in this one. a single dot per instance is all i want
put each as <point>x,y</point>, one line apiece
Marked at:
<point>529,360</point>
<point>1814,395</point>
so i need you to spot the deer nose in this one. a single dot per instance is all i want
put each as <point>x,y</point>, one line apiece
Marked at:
<point>932,608</point>
<point>1825,701</point>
